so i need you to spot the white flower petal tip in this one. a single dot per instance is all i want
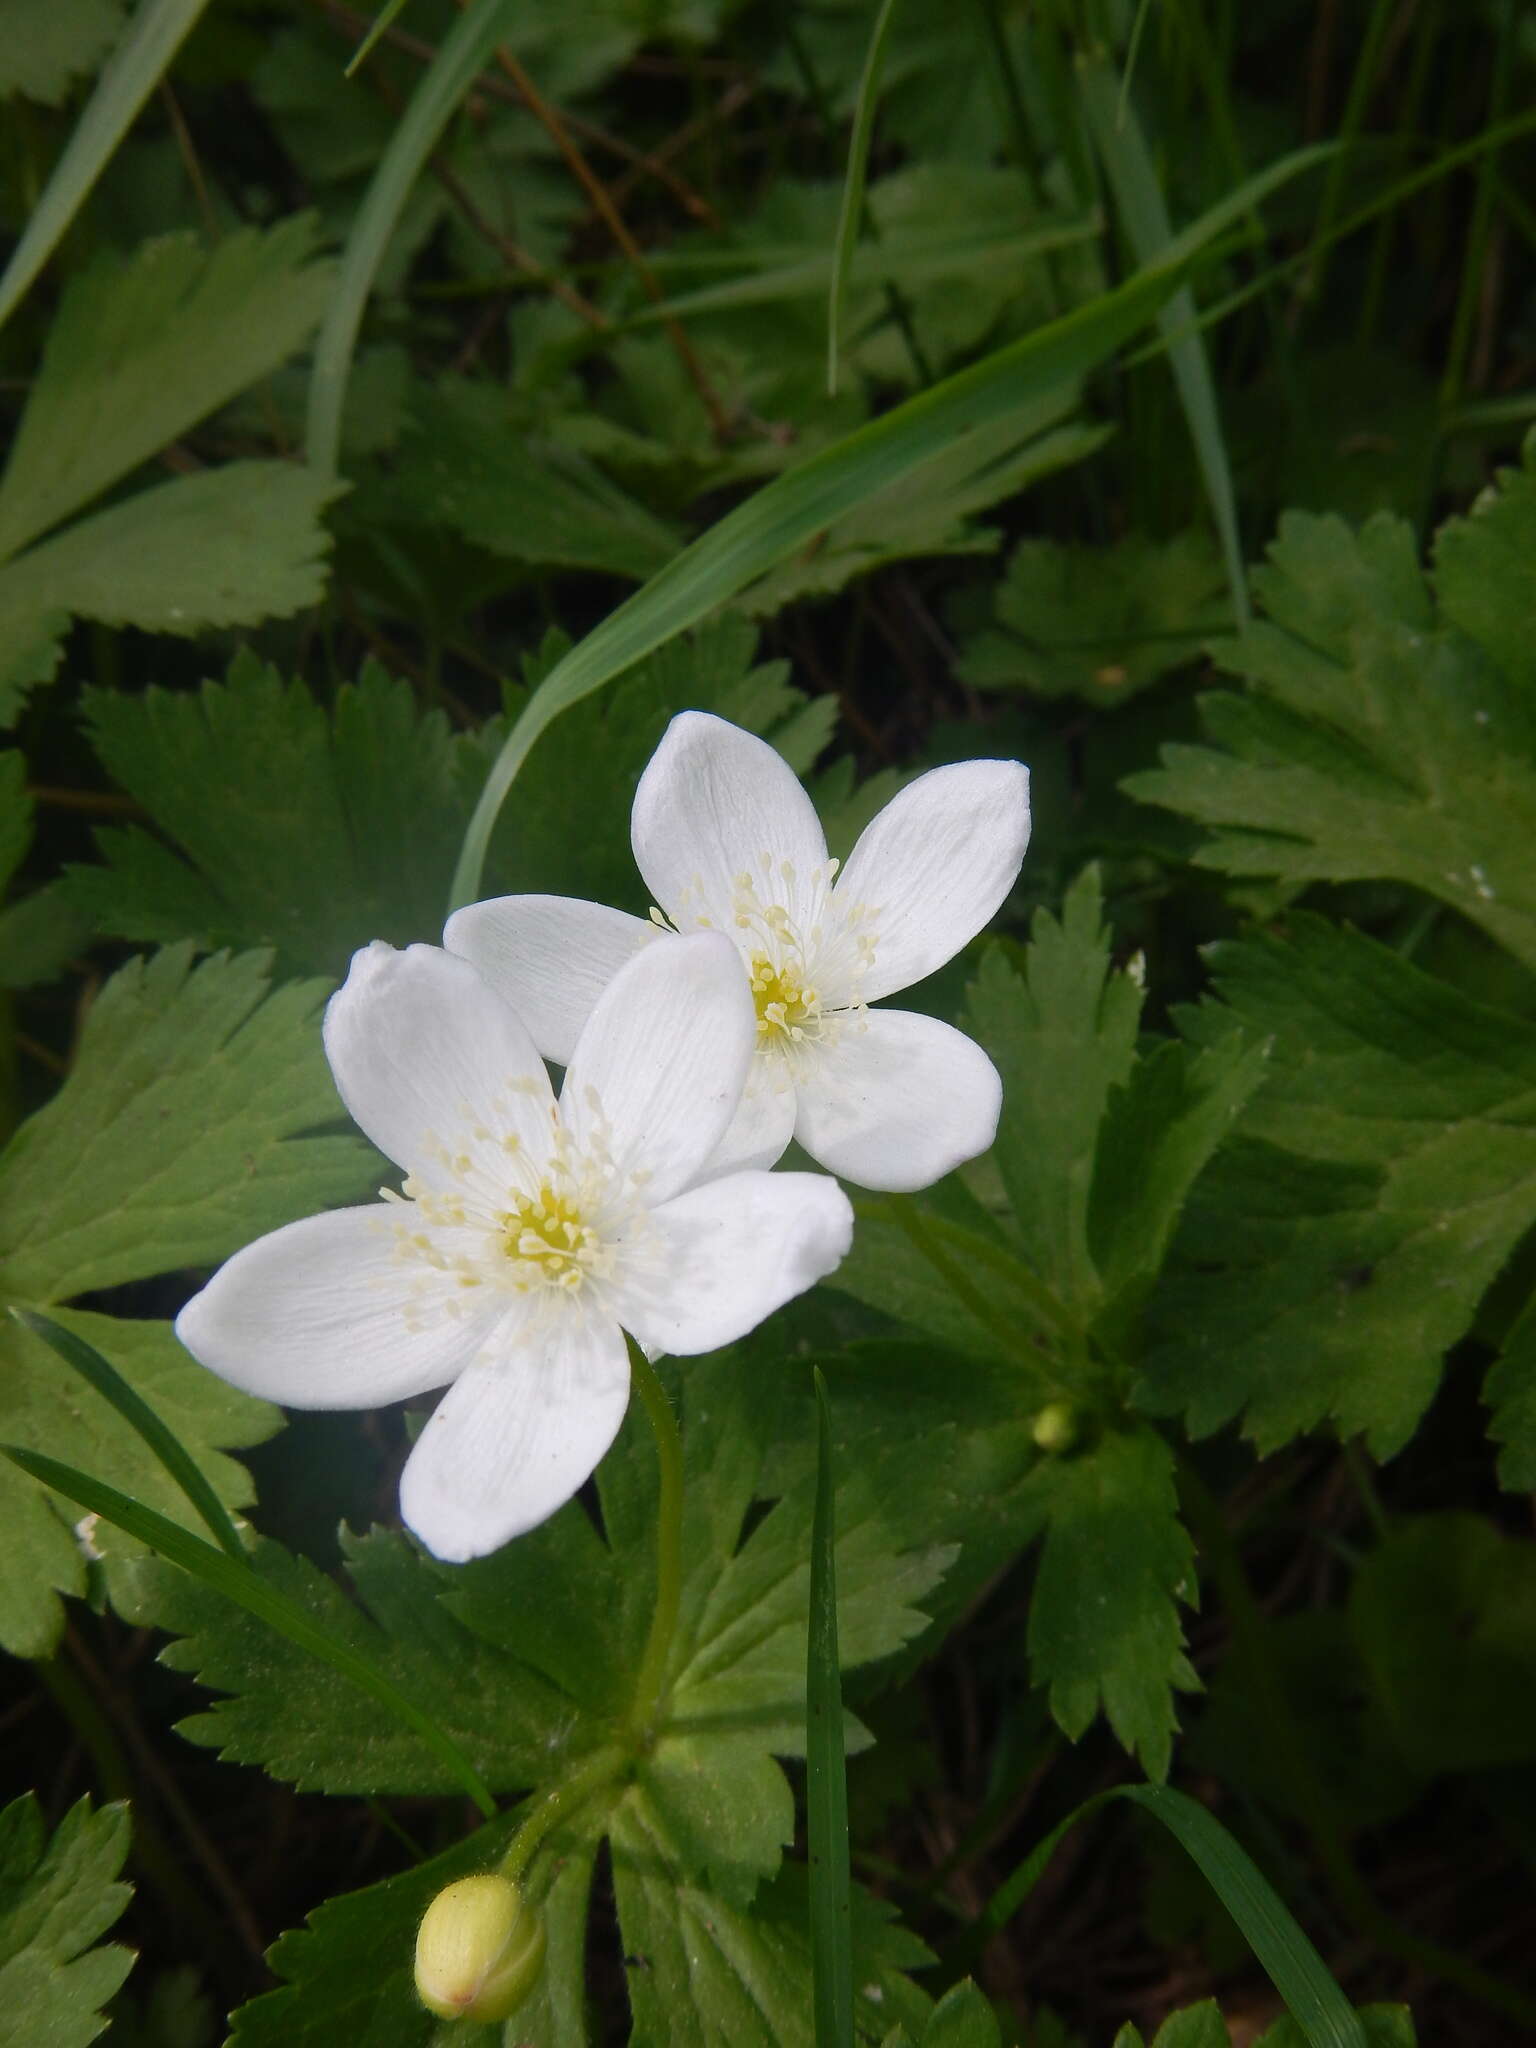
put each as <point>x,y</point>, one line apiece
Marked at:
<point>935,866</point>
<point>899,1103</point>
<point>738,1249</point>
<point>420,1048</point>
<point>514,1437</point>
<point>550,957</point>
<point>322,1314</point>
<point>714,803</point>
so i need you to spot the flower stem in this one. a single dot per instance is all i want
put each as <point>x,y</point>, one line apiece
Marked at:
<point>597,1770</point>
<point>651,1677</point>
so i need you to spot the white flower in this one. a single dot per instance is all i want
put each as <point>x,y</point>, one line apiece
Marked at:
<point>530,1235</point>
<point>727,840</point>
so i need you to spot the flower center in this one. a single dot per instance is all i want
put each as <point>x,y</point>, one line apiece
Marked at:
<point>548,1235</point>
<point>787,1007</point>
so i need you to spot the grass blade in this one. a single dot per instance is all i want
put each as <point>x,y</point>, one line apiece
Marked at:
<point>441,89</point>
<point>131,74</point>
<point>852,212</point>
<point>1293,1965</point>
<point>796,507</point>
<point>137,1413</point>
<point>1138,197</point>
<point>826,1775</point>
<point>246,1588</point>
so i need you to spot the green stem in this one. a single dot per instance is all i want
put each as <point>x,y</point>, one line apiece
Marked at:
<point>1256,1669</point>
<point>601,1768</point>
<point>651,1678</point>
<point>608,1764</point>
<point>911,1221</point>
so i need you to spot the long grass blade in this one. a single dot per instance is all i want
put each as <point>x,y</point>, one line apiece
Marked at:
<point>790,512</point>
<point>826,1774</point>
<point>1127,164</point>
<point>1297,1971</point>
<point>137,1413</point>
<point>441,89</point>
<point>130,75</point>
<point>852,211</point>
<point>246,1588</point>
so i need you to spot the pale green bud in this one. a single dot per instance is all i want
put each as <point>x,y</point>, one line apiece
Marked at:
<point>1055,1428</point>
<point>479,1950</point>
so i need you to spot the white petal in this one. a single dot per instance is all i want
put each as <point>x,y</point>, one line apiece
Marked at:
<point>732,1252</point>
<point>659,1069</point>
<point>713,801</point>
<point>424,1054</point>
<point>935,865</point>
<point>516,1435</point>
<point>898,1103</point>
<point>322,1314</point>
<point>763,1125</point>
<point>550,957</point>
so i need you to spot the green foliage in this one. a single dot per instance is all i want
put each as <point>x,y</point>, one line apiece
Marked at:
<point>59,1894</point>
<point>961,2019</point>
<point>47,49</point>
<point>1381,1179</point>
<point>296,829</point>
<point>138,354</point>
<point>1381,737</point>
<point>528,1658</point>
<point>175,1140</point>
<point>313,832</point>
<point>1096,623</point>
<point>1444,1612</point>
<point>1104,1625</point>
<point>1098,1150</point>
<point>467,462</point>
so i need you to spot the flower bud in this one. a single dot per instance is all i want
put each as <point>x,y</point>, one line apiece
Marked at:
<point>479,1950</point>
<point>1055,1428</point>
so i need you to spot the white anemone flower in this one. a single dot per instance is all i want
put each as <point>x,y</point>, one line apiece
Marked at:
<point>727,840</point>
<point>530,1233</point>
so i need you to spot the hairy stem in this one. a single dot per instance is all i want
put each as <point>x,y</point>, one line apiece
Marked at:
<point>651,1677</point>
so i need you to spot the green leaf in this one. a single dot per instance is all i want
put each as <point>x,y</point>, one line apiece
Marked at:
<point>1293,1965</point>
<point>529,1657</point>
<point>233,1579</point>
<point>140,351</point>
<point>134,70</point>
<point>931,511</point>
<point>1510,1391</point>
<point>1161,1129</point>
<point>1444,1613</point>
<point>963,2018</point>
<point>15,815</point>
<point>1096,623</point>
<point>58,1895</point>
<point>466,462</point>
<point>1062,1029</point>
<point>1383,1175</point>
<point>173,1141</point>
<point>1384,2026</point>
<point>1127,161</point>
<point>227,547</point>
<point>1376,740</point>
<point>1197,2026</point>
<point>46,47</point>
<point>261,791</point>
<point>851,212</point>
<point>788,515</point>
<point>825,1765</point>
<point>1104,1620</point>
